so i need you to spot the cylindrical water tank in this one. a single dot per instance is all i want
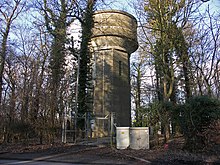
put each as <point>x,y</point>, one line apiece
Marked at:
<point>113,28</point>
<point>122,137</point>
<point>139,138</point>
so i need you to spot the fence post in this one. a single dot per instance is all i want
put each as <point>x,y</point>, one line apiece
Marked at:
<point>112,127</point>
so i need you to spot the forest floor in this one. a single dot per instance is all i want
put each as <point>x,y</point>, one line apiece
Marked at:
<point>170,154</point>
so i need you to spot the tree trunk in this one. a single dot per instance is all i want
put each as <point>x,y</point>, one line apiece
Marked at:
<point>84,70</point>
<point>2,59</point>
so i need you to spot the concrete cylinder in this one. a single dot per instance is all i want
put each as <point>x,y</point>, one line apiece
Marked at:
<point>113,28</point>
<point>114,39</point>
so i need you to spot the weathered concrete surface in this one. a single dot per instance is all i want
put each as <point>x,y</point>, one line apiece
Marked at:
<point>114,39</point>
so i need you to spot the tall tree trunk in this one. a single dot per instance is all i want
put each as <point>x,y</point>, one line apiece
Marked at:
<point>84,78</point>
<point>2,59</point>
<point>12,13</point>
<point>56,24</point>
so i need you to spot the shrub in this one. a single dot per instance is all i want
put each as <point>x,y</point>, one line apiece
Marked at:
<point>197,117</point>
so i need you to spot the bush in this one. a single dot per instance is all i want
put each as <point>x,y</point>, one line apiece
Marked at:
<point>197,117</point>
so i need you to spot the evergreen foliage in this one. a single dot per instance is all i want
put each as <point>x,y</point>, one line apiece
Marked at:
<point>85,79</point>
<point>196,117</point>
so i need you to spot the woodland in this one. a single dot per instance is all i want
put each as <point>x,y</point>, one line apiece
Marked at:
<point>175,73</point>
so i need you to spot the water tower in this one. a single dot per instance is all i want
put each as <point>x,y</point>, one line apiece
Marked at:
<point>114,39</point>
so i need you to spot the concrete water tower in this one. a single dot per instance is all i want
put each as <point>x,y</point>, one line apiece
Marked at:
<point>114,39</point>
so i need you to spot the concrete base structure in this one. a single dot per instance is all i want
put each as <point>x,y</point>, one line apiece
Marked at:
<point>139,138</point>
<point>114,39</point>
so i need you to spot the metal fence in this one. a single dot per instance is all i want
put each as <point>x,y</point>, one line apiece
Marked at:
<point>96,129</point>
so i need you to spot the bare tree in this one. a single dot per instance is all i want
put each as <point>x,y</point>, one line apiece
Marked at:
<point>206,56</point>
<point>9,12</point>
